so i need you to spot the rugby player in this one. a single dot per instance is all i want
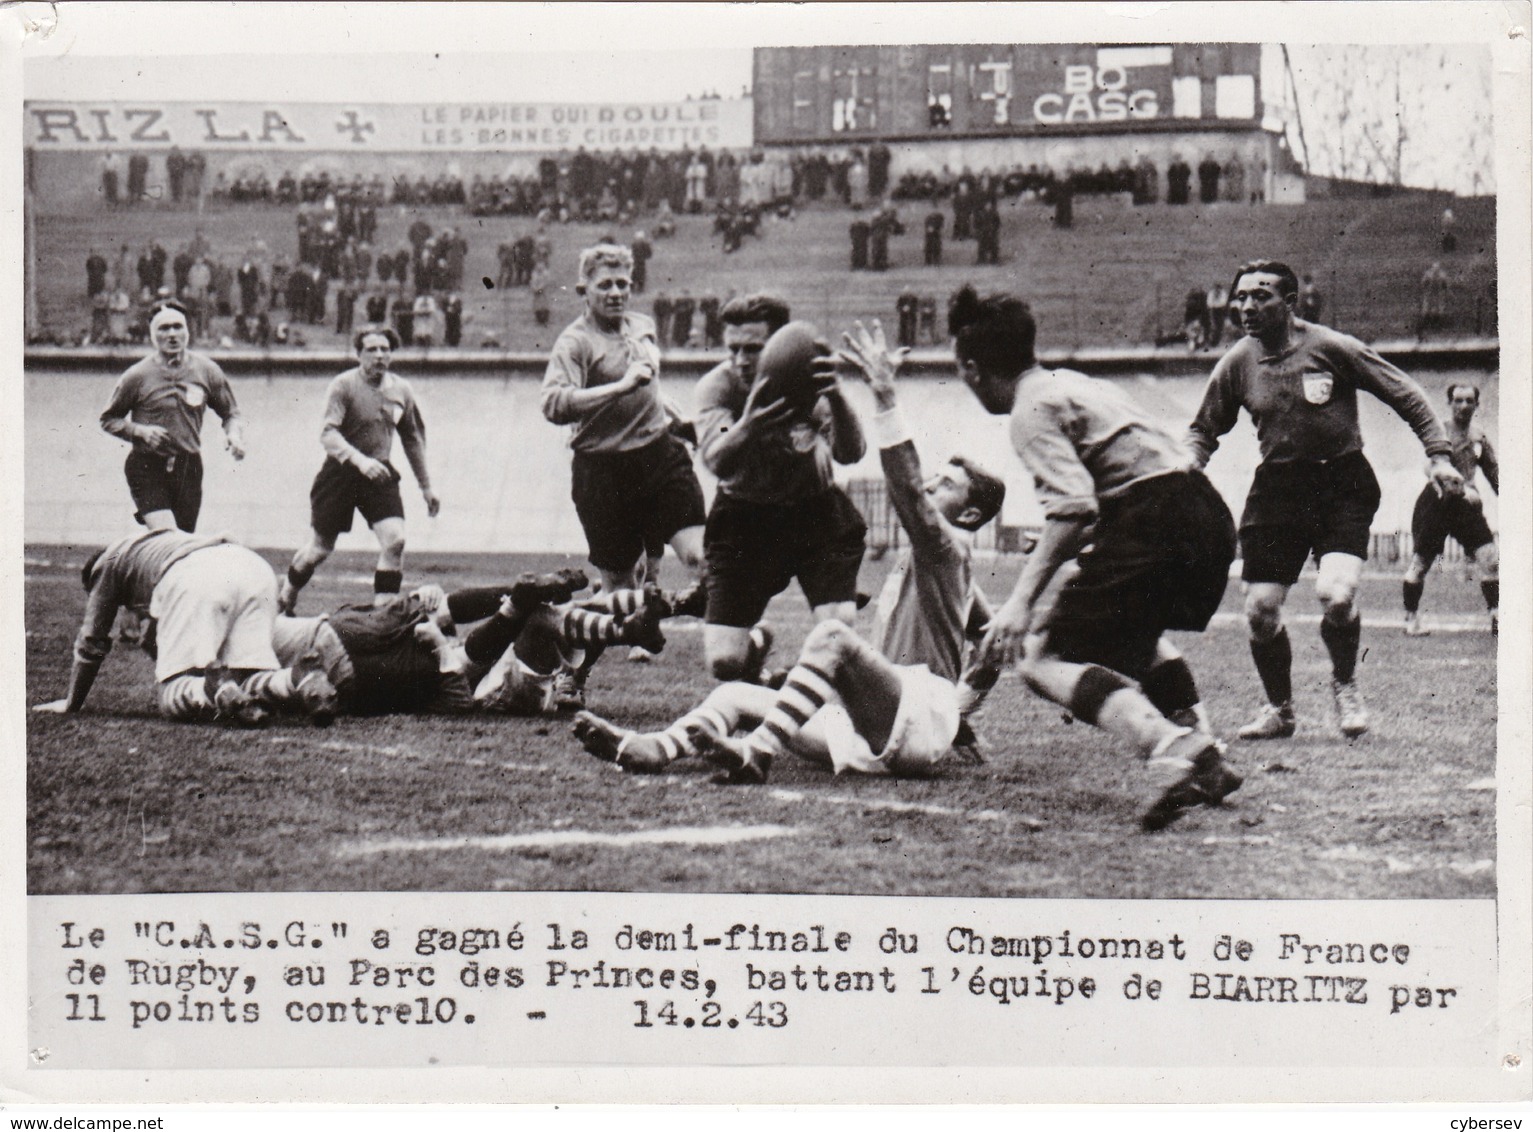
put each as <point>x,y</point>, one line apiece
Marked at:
<point>157,406</point>
<point>896,708</point>
<point>406,655</point>
<point>364,408</point>
<point>778,513</point>
<point>1151,540</point>
<point>632,481</point>
<point>1314,492</point>
<point>212,604</point>
<point>1437,516</point>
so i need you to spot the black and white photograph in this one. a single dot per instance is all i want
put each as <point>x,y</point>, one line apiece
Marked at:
<point>987,489</point>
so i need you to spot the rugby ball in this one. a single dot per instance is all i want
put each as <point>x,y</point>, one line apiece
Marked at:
<point>785,370</point>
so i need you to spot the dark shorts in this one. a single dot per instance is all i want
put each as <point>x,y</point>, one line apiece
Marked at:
<point>1159,560</point>
<point>1438,517</point>
<point>1296,510</point>
<point>633,503</point>
<point>166,483</point>
<point>755,549</point>
<point>340,489</point>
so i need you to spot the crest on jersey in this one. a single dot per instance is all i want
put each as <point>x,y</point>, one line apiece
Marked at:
<point>194,395</point>
<point>1318,387</point>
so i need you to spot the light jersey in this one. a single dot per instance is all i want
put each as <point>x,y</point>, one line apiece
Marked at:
<point>785,466</point>
<point>1084,439</point>
<point>924,607</point>
<point>173,397</point>
<point>364,418</point>
<point>126,574</point>
<point>1304,400</point>
<point>585,357</point>
<point>1471,451</point>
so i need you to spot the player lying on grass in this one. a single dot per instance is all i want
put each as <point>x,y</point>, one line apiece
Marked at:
<point>897,708</point>
<point>528,654</point>
<point>1151,541</point>
<point>212,605</point>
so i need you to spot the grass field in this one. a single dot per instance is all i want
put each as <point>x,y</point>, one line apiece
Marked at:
<point>120,801</point>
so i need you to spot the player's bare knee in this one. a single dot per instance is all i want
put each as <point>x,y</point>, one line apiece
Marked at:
<point>1264,619</point>
<point>1338,601</point>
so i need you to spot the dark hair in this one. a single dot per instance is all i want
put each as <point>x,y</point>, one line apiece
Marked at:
<point>169,305</point>
<point>760,307</point>
<point>996,332</point>
<point>387,331</point>
<point>986,492</point>
<point>1475,389</point>
<point>87,571</point>
<point>1288,283</point>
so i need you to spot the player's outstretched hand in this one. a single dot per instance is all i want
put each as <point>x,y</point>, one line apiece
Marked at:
<point>52,707</point>
<point>868,353</point>
<point>433,504</point>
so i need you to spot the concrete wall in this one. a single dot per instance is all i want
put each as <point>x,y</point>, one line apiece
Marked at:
<point>503,472</point>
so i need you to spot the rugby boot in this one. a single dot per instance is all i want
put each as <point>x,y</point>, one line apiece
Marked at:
<point>1414,627</point>
<point>635,753</point>
<point>234,705</point>
<point>760,650</point>
<point>740,763</point>
<point>569,691</point>
<point>532,590</point>
<point>1351,713</point>
<point>313,694</point>
<point>1204,783</point>
<point>1274,721</point>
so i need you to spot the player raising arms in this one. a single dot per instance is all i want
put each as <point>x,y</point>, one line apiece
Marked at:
<point>632,481</point>
<point>1437,515</point>
<point>1160,546</point>
<point>1314,491</point>
<point>364,408</point>
<point>850,706</point>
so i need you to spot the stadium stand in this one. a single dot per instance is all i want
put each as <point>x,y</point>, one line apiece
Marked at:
<point>1117,277</point>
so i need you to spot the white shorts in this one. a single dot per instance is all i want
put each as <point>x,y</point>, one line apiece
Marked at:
<point>925,724</point>
<point>511,686</point>
<point>295,637</point>
<point>215,608</point>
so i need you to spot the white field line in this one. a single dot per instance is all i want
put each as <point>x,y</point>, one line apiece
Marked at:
<point>894,805</point>
<point>1480,624</point>
<point>572,838</point>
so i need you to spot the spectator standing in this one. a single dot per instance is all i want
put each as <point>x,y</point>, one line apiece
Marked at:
<point>682,312</point>
<point>1235,179</point>
<point>1178,181</point>
<point>111,171</point>
<point>859,232</point>
<point>1218,311</point>
<point>1208,179</point>
<point>906,307</point>
<point>95,274</point>
<point>1311,302</point>
<point>932,248</point>
<point>642,251</point>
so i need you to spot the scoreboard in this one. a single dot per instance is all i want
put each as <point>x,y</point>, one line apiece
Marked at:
<point>830,94</point>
